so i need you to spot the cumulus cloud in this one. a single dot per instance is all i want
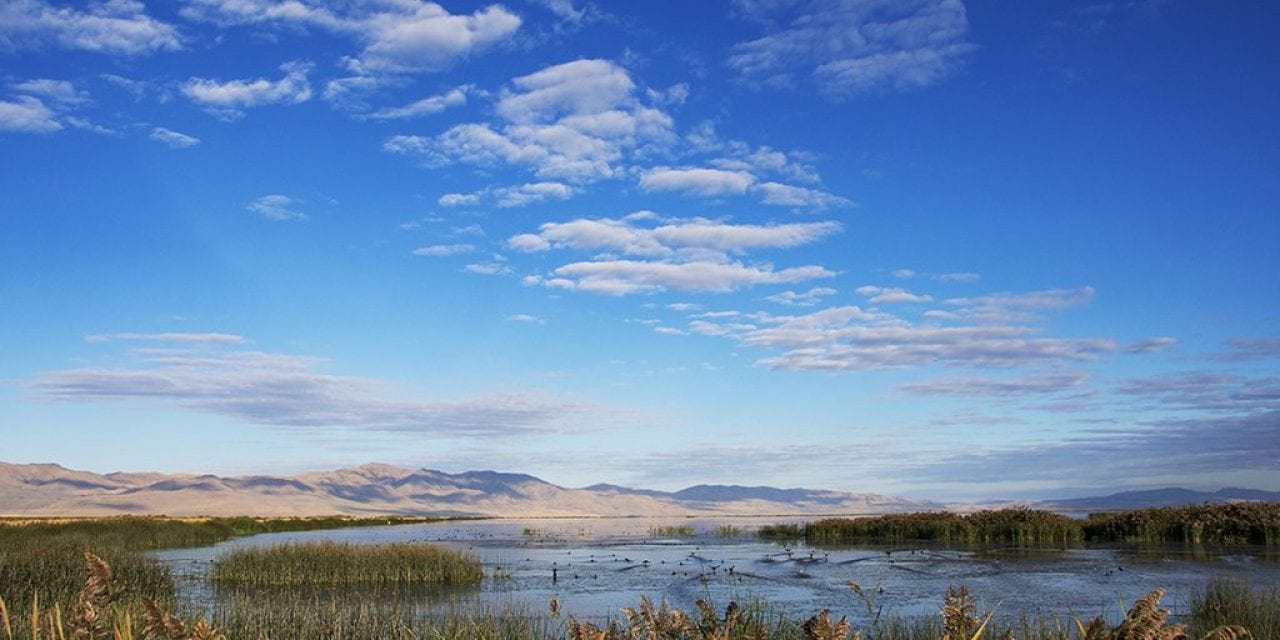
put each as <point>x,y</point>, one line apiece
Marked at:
<point>230,98</point>
<point>574,121</point>
<point>27,114</point>
<point>847,47</point>
<point>801,299</point>
<point>173,139</point>
<point>693,235</point>
<point>696,181</point>
<point>60,91</point>
<point>621,277</point>
<point>691,254</point>
<point>284,390</point>
<point>109,26</point>
<point>513,196</point>
<point>276,207</point>
<point>398,37</point>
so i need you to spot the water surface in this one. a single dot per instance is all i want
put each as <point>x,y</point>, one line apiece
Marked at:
<point>595,566</point>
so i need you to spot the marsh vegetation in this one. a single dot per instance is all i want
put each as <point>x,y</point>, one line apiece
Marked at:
<point>329,590</point>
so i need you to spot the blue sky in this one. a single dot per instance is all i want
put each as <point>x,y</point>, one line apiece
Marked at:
<point>934,248</point>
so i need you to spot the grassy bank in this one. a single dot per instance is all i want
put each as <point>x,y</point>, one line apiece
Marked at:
<point>44,559</point>
<point>1244,523</point>
<point>341,564</point>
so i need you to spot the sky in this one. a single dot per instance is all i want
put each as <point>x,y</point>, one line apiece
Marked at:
<point>929,248</point>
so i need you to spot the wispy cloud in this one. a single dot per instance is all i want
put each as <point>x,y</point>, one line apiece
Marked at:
<point>190,338</point>
<point>438,250</point>
<point>696,181</point>
<point>978,386</point>
<point>1240,349</point>
<point>282,390</point>
<point>173,139</point>
<point>427,106</point>
<point>847,47</point>
<point>891,295</point>
<point>276,207</point>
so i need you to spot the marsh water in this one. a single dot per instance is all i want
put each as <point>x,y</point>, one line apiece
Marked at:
<point>595,566</point>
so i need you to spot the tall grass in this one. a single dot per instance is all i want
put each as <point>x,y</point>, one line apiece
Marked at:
<point>1231,602</point>
<point>672,531</point>
<point>1237,523</point>
<point>1023,526</point>
<point>341,564</point>
<point>1255,523</point>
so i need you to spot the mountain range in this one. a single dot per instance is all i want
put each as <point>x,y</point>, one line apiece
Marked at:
<point>381,489</point>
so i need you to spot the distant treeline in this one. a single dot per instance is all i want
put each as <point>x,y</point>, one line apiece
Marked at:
<point>1236,523</point>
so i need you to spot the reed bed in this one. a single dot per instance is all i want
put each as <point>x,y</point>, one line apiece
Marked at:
<point>729,531</point>
<point>1236,523</point>
<point>672,531</point>
<point>1239,523</point>
<point>1020,526</point>
<point>341,564</point>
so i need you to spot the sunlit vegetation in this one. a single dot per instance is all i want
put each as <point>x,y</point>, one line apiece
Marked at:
<point>728,531</point>
<point>1255,523</point>
<point>97,611</point>
<point>672,531</point>
<point>1237,523</point>
<point>341,564</point>
<point>43,559</point>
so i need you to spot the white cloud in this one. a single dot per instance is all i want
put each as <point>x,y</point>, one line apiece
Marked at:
<point>60,91</point>
<point>1018,307</point>
<point>438,250</point>
<point>962,276</point>
<point>427,106</point>
<point>854,46</point>
<point>696,181</point>
<point>883,295</point>
<point>230,98</point>
<point>399,36</point>
<point>490,269</point>
<point>575,121</point>
<point>621,277</point>
<point>109,26</point>
<point>990,386</point>
<point>459,199</point>
<point>670,331</point>
<point>683,306</point>
<point>802,299</point>
<point>671,237</point>
<point>172,138</point>
<point>904,274</point>
<point>190,338</point>
<point>525,318</point>
<point>260,388</point>
<point>27,114</point>
<point>276,207</point>
<point>793,196</point>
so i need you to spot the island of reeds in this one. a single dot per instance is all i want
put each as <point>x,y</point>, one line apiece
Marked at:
<point>1236,523</point>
